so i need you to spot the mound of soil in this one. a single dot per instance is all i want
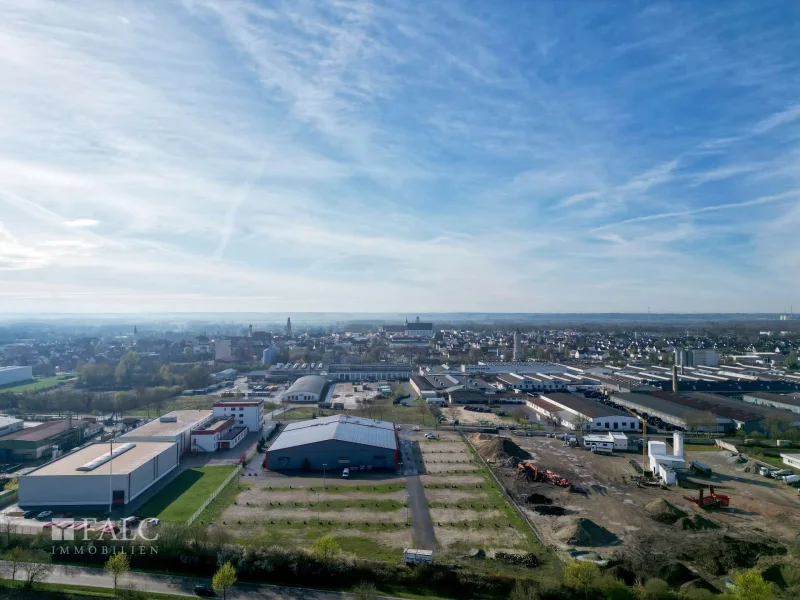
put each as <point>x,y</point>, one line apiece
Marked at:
<point>676,574</point>
<point>721,554</point>
<point>782,575</point>
<point>583,532</point>
<point>550,511</point>
<point>662,511</point>
<point>538,499</point>
<point>698,584</point>
<point>495,448</point>
<point>697,523</point>
<point>526,560</point>
<point>617,571</point>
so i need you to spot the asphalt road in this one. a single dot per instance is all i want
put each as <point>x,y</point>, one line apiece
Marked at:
<point>424,536</point>
<point>184,586</point>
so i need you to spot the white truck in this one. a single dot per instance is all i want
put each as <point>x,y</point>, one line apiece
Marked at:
<point>412,556</point>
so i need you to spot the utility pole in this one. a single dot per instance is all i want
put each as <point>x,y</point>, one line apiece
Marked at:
<point>324,475</point>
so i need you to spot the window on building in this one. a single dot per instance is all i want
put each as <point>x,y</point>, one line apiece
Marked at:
<point>616,425</point>
<point>607,425</point>
<point>343,460</point>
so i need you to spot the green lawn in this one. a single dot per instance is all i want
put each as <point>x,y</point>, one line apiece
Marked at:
<point>39,383</point>
<point>179,500</point>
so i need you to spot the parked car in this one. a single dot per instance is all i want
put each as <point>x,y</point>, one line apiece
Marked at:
<point>130,521</point>
<point>29,514</point>
<point>45,514</point>
<point>431,436</point>
<point>415,428</point>
<point>152,522</point>
<point>66,516</point>
<point>345,473</point>
<point>48,525</point>
<point>204,590</point>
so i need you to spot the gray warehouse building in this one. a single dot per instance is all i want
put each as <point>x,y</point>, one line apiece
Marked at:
<point>306,389</point>
<point>174,427</point>
<point>98,474</point>
<point>334,443</point>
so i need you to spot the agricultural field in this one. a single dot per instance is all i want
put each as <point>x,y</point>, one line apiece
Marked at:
<point>185,494</point>
<point>366,514</point>
<point>39,384</point>
<point>468,511</point>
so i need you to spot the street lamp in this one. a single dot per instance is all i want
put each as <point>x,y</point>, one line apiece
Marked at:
<point>317,507</point>
<point>324,475</point>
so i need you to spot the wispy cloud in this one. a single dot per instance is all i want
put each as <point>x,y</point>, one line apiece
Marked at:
<point>82,223</point>
<point>185,150</point>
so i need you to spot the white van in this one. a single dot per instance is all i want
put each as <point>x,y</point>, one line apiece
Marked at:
<point>345,473</point>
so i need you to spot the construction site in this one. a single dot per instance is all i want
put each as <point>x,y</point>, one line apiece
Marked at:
<point>716,518</point>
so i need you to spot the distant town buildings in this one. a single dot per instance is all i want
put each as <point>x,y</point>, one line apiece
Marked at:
<point>696,357</point>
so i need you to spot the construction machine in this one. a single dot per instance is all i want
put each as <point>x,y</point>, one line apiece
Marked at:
<point>556,479</point>
<point>713,500</point>
<point>530,471</point>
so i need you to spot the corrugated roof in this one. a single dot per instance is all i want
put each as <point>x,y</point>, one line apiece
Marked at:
<point>45,430</point>
<point>312,384</point>
<point>338,427</point>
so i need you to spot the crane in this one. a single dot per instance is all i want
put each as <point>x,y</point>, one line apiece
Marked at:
<point>644,436</point>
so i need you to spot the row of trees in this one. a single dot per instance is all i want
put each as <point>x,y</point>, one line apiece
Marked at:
<point>131,372</point>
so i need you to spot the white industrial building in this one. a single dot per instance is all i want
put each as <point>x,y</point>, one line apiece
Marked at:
<point>175,427</point>
<point>576,410</point>
<point>663,464</point>
<point>246,413</point>
<point>9,425</point>
<point>306,389</point>
<point>98,475</point>
<point>9,375</point>
<point>219,434</point>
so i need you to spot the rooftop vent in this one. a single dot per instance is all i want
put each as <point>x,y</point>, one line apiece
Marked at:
<point>168,419</point>
<point>103,459</point>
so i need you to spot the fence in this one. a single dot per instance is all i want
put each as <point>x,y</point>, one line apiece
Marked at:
<point>508,497</point>
<point>214,494</point>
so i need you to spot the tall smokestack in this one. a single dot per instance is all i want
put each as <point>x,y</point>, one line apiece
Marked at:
<point>674,379</point>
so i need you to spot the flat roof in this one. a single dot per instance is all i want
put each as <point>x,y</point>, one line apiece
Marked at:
<point>224,403</point>
<point>45,430</point>
<point>790,400</point>
<point>185,419</point>
<point>217,425</point>
<point>121,465</point>
<point>591,409</point>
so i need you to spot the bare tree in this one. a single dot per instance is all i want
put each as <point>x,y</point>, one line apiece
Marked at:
<point>37,567</point>
<point>12,564</point>
<point>581,422</point>
<point>520,416</point>
<point>6,527</point>
<point>553,421</point>
<point>453,413</point>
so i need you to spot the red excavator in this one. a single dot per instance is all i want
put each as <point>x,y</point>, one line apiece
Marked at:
<point>556,479</point>
<point>711,501</point>
<point>530,471</point>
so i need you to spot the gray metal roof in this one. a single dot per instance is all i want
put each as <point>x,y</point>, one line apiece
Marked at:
<point>312,384</point>
<point>338,427</point>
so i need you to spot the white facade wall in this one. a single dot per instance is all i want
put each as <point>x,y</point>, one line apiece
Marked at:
<point>791,460</point>
<point>9,375</point>
<point>244,415</point>
<point>84,489</point>
<point>9,425</point>
<point>205,443</point>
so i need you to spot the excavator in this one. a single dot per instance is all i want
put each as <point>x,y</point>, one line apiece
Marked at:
<point>533,473</point>
<point>711,501</point>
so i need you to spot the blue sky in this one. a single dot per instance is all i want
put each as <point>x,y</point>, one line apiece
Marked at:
<point>223,155</point>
